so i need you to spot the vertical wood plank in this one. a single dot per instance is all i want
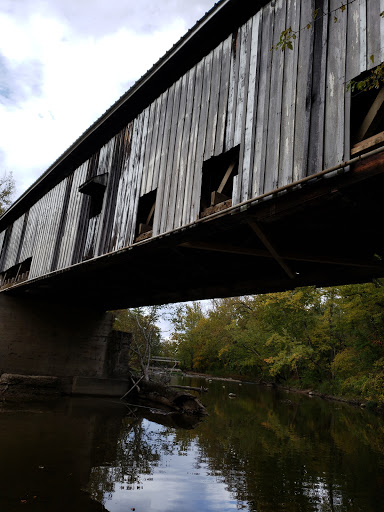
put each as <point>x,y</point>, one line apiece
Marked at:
<point>193,144</point>
<point>334,150</point>
<point>252,107</point>
<point>289,94</point>
<point>2,249</point>
<point>363,34</point>
<point>187,133</point>
<point>304,95</point>
<point>176,174</point>
<point>163,162</point>
<point>355,42</point>
<point>374,42</point>
<point>198,166</point>
<point>223,95</point>
<point>161,133</point>
<point>275,104</point>
<point>126,229</point>
<point>232,92</point>
<point>261,131</point>
<point>242,89</point>
<point>14,242</point>
<point>108,211</point>
<point>63,218</point>
<point>35,249</point>
<point>70,229</point>
<point>137,170</point>
<point>213,102</point>
<point>168,158</point>
<point>30,234</point>
<point>244,121</point>
<point>104,167</point>
<point>151,157</point>
<point>81,228</point>
<point>127,188</point>
<point>148,142</point>
<point>122,199</point>
<point>316,136</point>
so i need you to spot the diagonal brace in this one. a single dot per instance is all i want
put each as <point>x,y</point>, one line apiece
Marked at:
<point>256,229</point>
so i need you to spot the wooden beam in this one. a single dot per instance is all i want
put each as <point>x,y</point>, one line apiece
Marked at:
<point>262,253</point>
<point>226,248</point>
<point>217,198</point>
<point>368,144</point>
<point>256,229</point>
<point>373,117</point>
<point>226,177</point>
<point>151,212</point>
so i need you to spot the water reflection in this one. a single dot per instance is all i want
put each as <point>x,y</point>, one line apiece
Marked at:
<point>262,451</point>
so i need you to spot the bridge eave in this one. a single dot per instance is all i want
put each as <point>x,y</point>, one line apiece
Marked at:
<point>323,233</point>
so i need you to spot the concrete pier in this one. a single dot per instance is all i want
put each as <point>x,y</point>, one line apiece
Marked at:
<point>60,340</point>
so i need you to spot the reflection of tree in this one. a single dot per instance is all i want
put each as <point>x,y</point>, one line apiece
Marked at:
<point>136,455</point>
<point>273,451</point>
<point>140,447</point>
<point>285,452</point>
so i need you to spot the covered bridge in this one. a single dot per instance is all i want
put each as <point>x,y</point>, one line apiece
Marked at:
<point>226,169</point>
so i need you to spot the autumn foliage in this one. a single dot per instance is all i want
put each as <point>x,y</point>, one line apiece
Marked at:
<point>331,340</point>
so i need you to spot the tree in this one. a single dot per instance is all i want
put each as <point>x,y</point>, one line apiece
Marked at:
<point>7,188</point>
<point>185,321</point>
<point>141,323</point>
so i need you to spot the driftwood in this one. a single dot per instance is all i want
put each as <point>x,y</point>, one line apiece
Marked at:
<point>191,388</point>
<point>168,419</point>
<point>156,393</point>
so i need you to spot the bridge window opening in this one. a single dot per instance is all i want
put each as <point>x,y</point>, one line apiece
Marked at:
<point>367,119</point>
<point>217,182</point>
<point>95,189</point>
<point>16,274</point>
<point>145,215</point>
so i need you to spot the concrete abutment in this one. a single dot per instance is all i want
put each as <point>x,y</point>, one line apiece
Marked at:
<point>69,341</point>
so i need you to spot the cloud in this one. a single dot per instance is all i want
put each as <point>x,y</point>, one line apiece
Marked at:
<point>64,62</point>
<point>98,17</point>
<point>19,81</point>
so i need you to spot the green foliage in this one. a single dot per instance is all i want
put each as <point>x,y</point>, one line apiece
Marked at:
<point>286,38</point>
<point>374,387</point>
<point>146,339</point>
<point>328,339</point>
<point>7,188</point>
<point>374,80</point>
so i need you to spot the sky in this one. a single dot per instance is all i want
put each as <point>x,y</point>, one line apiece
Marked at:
<point>63,63</point>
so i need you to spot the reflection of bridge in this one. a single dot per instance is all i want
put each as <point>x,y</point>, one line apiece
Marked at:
<point>206,179</point>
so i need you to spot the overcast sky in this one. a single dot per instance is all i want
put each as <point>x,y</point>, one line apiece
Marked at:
<point>64,62</point>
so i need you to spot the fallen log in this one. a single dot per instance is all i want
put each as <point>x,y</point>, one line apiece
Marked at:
<point>156,393</point>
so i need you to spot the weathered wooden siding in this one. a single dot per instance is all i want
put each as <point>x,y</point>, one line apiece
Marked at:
<point>287,111</point>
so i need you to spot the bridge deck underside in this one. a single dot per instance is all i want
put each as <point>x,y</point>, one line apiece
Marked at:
<point>324,233</point>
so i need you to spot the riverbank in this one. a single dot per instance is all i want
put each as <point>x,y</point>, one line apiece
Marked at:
<point>363,404</point>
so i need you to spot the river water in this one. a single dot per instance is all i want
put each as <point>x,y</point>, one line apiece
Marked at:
<point>261,451</point>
